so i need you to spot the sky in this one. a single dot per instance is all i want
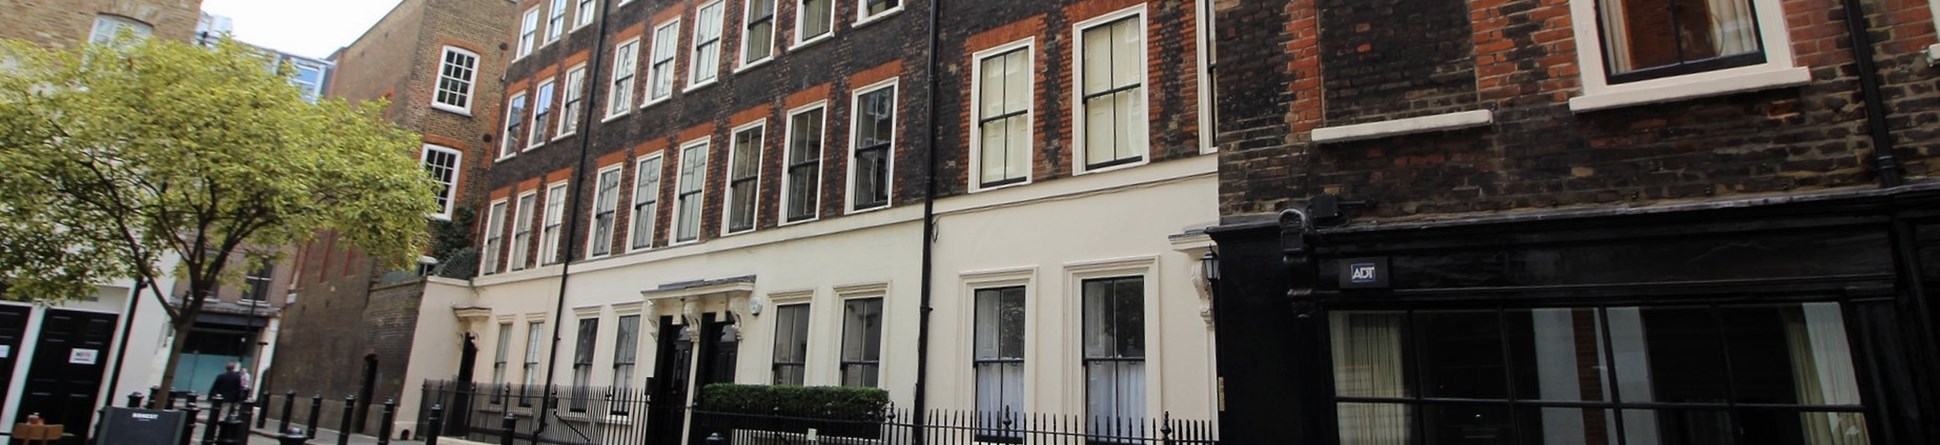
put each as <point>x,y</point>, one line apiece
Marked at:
<point>312,28</point>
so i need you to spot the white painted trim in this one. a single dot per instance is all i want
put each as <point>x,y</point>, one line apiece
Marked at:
<point>1139,126</point>
<point>592,212</point>
<point>531,15</point>
<point>694,46</point>
<point>1397,127</point>
<point>1118,181</point>
<point>554,191</point>
<point>739,287</point>
<point>1598,93</point>
<point>521,262</point>
<point>741,61</point>
<point>584,100</point>
<point>799,41</point>
<point>1029,45</point>
<point>471,85</point>
<point>855,116</point>
<point>1075,273</point>
<point>1693,86</point>
<point>705,143</point>
<point>862,16</point>
<point>727,194</point>
<point>610,91</point>
<point>968,284</point>
<point>765,237</point>
<point>673,65</point>
<point>457,171</point>
<point>1933,55</point>
<point>540,126</point>
<point>505,133</point>
<point>820,166</point>
<point>1203,30</point>
<point>493,225</point>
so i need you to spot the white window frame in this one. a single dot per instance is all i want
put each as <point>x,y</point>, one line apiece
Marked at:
<point>846,294</point>
<point>614,92</point>
<point>583,13</point>
<point>1029,46</point>
<point>117,23</point>
<point>528,32</point>
<point>820,155</point>
<point>572,102</point>
<point>633,214</point>
<point>555,21</point>
<point>553,228</point>
<point>542,98</point>
<point>801,13</point>
<point>970,283</point>
<point>727,193</point>
<point>1075,273</point>
<point>741,61</point>
<point>521,251</point>
<point>1778,70</point>
<point>509,147</point>
<point>493,240</point>
<point>807,333</point>
<point>457,169</point>
<point>694,81</point>
<point>862,16</point>
<point>705,144</point>
<point>654,56</point>
<point>855,143</point>
<point>592,213</point>
<point>470,84</point>
<point>1138,126</point>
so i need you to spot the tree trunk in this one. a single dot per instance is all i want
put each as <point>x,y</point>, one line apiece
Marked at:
<point>182,324</point>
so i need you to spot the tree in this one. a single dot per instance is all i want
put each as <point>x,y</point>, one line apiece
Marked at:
<point>151,159</point>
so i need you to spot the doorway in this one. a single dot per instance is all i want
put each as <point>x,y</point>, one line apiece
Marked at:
<point>64,377</point>
<point>13,326</point>
<point>669,391</point>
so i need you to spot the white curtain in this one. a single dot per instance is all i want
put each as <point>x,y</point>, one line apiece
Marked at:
<point>1733,27</point>
<point>1616,36</point>
<point>1367,363</point>
<point>1823,374</point>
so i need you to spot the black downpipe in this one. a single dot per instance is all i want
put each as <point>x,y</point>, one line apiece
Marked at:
<point>929,238</point>
<point>1885,165</point>
<point>572,229</point>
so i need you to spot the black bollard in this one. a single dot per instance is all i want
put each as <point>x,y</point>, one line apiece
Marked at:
<point>188,431</point>
<point>436,426</point>
<point>248,410</point>
<point>289,406</point>
<point>134,399</point>
<point>263,420</point>
<point>343,430</point>
<point>215,415</point>
<point>505,428</point>
<point>316,408</point>
<point>152,400</point>
<point>389,417</point>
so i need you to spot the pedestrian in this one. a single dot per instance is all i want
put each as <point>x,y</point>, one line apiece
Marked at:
<point>228,385</point>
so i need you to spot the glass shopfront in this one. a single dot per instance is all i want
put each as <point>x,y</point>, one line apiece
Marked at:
<point>1637,375</point>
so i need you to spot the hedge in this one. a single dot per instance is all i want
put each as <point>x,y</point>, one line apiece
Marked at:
<point>820,402</point>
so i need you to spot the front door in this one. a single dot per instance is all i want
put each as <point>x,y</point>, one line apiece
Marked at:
<point>66,371</point>
<point>13,326</point>
<point>669,391</point>
<point>718,352</point>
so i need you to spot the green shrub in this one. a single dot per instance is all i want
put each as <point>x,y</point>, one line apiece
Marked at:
<point>819,402</point>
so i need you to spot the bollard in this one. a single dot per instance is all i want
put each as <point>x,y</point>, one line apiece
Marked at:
<point>152,401</point>
<point>188,431</point>
<point>294,436</point>
<point>715,439</point>
<point>241,436</point>
<point>316,407</point>
<point>263,420</point>
<point>289,405</point>
<point>134,399</point>
<point>343,430</point>
<point>389,417</point>
<point>505,428</point>
<point>215,415</point>
<point>436,426</point>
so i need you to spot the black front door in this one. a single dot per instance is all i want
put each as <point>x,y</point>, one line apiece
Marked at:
<point>13,326</point>
<point>66,371</point>
<point>669,390</point>
<point>718,352</point>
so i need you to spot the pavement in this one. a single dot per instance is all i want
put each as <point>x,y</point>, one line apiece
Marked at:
<point>267,436</point>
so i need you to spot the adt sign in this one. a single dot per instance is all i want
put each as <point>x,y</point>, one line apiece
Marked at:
<point>1364,273</point>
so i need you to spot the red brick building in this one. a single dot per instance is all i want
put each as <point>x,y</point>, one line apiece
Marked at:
<point>1575,221</point>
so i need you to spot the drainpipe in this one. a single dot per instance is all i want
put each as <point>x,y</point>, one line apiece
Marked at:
<point>929,237</point>
<point>1886,167</point>
<point>572,230</point>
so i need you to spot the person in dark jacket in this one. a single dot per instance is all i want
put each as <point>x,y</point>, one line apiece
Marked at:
<point>228,385</point>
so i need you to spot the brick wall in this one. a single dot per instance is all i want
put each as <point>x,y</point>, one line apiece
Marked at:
<point>64,23</point>
<point>1519,60</point>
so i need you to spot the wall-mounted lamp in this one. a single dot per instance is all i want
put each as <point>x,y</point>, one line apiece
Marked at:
<point>1209,266</point>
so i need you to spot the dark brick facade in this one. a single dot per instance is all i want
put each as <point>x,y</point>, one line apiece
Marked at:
<point>1285,70</point>
<point>834,70</point>
<point>346,309</point>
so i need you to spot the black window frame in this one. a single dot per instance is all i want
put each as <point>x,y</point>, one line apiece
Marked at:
<point>867,367</point>
<point>584,345</point>
<point>798,327</point>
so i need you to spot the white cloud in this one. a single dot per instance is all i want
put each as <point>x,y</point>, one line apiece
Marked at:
<point>313,28</point>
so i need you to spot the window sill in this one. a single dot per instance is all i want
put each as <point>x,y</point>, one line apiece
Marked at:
<point>611,117</point>
<point>752,65</point>
<point>876,207</point>
<point>979,188</point>
<point>503,156</point>
<point>533,147</point>
<point>1398,127</point>
<point>703,84</point>
<point>811,41</point>
<point>451,109</point>
<point>1691,87</point>
<point>1114,166</point>
<point>785,222</point>
<point>563,136</point>
<point>878,17</point>
<point>670,96</point>
<point>1933,55</point>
